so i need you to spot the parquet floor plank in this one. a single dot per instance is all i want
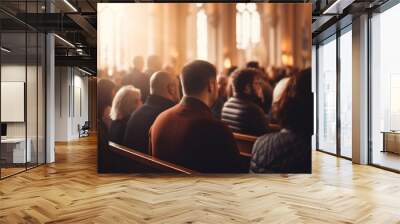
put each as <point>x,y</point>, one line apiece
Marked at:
<point>71,191</point>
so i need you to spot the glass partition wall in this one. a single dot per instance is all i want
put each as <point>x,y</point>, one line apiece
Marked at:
<point>345,91</point>
<point>334,93</point>
<point>385,89</point>
<point>327,95</point>
<point>22,77</point>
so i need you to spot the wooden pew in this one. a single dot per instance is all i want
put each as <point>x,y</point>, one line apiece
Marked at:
<point>148,162</point>
<point>245,144</point>
<point>274,127</point>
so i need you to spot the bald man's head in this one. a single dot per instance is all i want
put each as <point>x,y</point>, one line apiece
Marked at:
<point>165,85</point>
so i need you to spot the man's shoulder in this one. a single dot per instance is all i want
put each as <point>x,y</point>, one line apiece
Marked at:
<point>211,125</point>
<point>167,114</point>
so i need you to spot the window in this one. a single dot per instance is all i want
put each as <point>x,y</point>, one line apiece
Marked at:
<point>247,25</point>
<point>201,29</point>
<point>327,96</point>
<point>346,94</point>
<point>385,89</point>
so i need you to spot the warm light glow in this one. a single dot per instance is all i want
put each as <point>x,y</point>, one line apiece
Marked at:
<point>287,59</point>
<point>201,28</point>
<point>248,26</point>
<point>227,63</point>
<point>118,35</point>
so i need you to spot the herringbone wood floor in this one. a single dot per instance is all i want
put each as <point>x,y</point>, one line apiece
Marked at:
<point>70,191</point>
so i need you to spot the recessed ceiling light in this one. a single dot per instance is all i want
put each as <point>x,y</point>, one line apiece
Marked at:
<point>64,40</point>
<point>84,71</point>
<point>5,50</point>
<point>70,5</point>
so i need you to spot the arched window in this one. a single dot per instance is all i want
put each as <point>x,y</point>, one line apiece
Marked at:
<point>201,32</point>
<point>247,25</point>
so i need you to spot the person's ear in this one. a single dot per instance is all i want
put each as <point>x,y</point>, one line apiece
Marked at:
<point>171,88</point>
<point>209,88</point>
<point>212,85</point>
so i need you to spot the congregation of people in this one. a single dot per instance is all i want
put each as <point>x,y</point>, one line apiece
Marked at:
<point>189,119</point>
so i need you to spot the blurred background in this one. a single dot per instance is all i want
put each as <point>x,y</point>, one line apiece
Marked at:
<point>223,34</point>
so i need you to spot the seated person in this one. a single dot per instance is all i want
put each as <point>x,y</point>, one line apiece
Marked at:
<point>288,151</point>
<point>126,100</point>
<point>164,93</point>
<point>279,89</point>
<point>242,112</point>
<point>137,78</point>
<point>222,82</point>
<point>187,134</point>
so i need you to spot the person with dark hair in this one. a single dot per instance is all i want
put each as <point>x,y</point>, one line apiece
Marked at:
<point>187,134</point>
<point>242,112</point>
<point>222,82</point>
<point>105,94</point>
<point>164,93</point>
<point>229,91</point>
<point>137,78</point>
<point>230,70</point>
<point>288,151</point>
<point>253,64</point>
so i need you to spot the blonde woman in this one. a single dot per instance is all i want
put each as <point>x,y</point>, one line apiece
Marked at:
<point>126,101</point>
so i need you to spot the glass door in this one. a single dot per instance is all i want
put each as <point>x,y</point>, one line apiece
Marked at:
<point>14,155</point>
<point>346,72</point>
<point>327,96</point>
<point>22,77</point>
<point>385,89</point>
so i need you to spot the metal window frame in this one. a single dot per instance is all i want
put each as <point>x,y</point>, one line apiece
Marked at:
<point>44,74</point>
<point>381,9</point>
<point>334,37</point>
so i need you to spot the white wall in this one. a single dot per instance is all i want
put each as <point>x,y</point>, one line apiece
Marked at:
<point>71,94</point>
<point>33,126</point>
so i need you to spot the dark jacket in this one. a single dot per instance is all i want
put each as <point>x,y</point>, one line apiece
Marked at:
<point>117,130</point>
<point>282,152</point>
<point>139,80</point>
<point>216,109</point>
<point>108,161</point>
<point>188,135</point>
<point>245,116</point>
<point>137,129</point>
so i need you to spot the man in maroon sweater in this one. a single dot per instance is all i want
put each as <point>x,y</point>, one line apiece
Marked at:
<point>187,134</point>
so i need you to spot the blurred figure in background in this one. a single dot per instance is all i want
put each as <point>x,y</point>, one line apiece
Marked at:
<point>229,88</point>
<point>288,151</point>
<point>230,71</point>
<point>242,112</point>
<point>137,78</point>
<point>253,64</point>
<point>164,93</point>
<point>105,94</point>
<point>153,65</point>
<point>126,100</point>
<point>275,74</point>
<point>222,82</point>
<point>265,85</point>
